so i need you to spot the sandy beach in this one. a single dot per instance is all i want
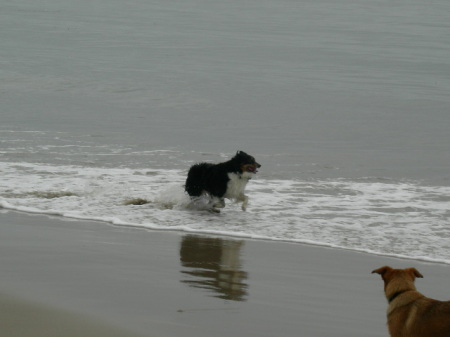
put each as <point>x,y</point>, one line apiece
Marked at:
<point>65,277</point>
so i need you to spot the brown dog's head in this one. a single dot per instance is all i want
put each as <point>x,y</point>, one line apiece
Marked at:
<point>397,280</point>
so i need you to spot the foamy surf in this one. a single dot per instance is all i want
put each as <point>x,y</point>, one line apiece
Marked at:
<point>401,219</point>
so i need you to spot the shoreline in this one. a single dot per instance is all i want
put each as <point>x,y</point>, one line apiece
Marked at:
<point>228,236</point>
<point>163,283</point>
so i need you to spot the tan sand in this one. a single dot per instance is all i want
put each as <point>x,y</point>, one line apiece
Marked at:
<point>104,278</point>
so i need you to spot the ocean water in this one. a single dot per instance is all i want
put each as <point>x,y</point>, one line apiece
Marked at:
<point>344,103</point>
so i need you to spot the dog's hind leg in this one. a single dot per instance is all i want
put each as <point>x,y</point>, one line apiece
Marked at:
<point>215,204</point>
<point>218,202</point>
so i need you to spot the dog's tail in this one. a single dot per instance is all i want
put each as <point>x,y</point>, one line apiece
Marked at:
<point>194,182</point>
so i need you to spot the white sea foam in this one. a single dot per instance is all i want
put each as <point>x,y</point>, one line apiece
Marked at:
<point>396,219</point>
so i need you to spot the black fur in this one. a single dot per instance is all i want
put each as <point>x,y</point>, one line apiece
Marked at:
<point>213,178</point>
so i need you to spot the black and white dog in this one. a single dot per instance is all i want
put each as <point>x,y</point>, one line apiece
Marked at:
<point>223,180</point>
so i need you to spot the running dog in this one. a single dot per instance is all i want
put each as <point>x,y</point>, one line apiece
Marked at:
<point>411,314</point>
<point>222,180</point>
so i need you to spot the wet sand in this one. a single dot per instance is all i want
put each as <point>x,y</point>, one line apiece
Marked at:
<point>84,278</point>
<point>25,318</point>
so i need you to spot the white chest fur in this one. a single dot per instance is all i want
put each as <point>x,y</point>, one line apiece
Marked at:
<point>236,185</point>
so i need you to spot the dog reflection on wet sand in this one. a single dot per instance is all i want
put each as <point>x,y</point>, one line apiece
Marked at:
<point>411,314</point>
<point>214,264</point>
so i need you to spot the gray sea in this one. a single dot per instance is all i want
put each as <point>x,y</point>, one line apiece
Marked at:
<point>344,103</point>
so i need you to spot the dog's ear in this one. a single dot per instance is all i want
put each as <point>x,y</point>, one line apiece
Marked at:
<point>382,270</point>
<point>414,272</point>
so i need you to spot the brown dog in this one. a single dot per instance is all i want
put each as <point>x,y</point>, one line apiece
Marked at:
<point>411,314</point>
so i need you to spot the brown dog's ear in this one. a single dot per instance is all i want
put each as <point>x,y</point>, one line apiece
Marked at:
<point>415,272</point>
<point>382,270</point>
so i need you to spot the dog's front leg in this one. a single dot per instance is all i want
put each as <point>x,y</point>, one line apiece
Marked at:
<point>244,200</point>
